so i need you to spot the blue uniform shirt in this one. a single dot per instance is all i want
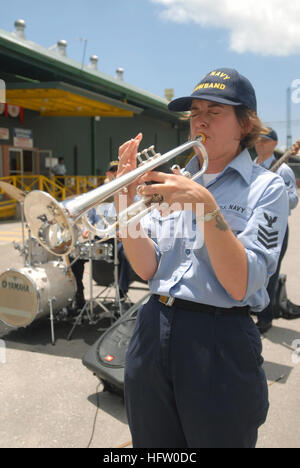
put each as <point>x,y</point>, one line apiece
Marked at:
<point>105,210</point>
<point>254,203</point>
<point>289,179</point>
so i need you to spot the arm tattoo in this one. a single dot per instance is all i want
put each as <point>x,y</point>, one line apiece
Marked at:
<point>221,224</point>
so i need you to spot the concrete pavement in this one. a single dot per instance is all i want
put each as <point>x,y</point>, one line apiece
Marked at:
<point>49,399</point>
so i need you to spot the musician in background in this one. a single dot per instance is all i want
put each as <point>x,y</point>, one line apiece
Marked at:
<point>124,268</point>
<point>111,171</point>
<point>106,210</point>
<point>77,267</point>
<point>193,375</point>
<point>265,147</point>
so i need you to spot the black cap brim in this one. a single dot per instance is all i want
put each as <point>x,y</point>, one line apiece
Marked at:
<point>264,137</point>
<point>184,103</point>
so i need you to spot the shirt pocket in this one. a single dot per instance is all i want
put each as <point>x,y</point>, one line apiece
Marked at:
<point>166,228</point>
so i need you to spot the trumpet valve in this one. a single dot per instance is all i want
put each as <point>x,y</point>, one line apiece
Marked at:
<point>139,158</point>
<point>154,154</point>
<point>176,169</point>
<point>145,153</point>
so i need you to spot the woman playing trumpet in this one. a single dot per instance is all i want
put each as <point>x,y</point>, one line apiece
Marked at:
<point>194,374</point>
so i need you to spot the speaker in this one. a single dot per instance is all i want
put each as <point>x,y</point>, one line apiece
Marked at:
<point>106,357</point>
<point>283,306</point>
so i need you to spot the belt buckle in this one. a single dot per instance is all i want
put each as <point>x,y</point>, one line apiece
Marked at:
<point>167,300</point>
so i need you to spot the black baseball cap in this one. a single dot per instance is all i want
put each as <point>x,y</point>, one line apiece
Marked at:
<point>223,85</point>
<point>269,134</point>
<point>112,166</point>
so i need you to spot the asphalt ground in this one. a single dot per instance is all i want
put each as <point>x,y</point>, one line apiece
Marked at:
<point>49,399</point>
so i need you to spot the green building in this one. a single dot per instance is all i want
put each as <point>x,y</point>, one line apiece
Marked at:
<point>56,107</point>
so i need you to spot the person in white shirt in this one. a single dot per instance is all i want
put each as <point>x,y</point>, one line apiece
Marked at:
<point>60,171</point>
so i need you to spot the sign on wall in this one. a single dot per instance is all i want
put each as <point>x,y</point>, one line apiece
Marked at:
<point>23,138</point>
<point>4,133</point>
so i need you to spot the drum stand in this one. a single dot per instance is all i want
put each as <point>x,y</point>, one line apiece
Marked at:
<point>116,299</point>
<point>88,307</point>
<point>51,300</point>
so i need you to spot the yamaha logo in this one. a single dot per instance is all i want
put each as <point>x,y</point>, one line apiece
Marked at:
<point>15,286</point>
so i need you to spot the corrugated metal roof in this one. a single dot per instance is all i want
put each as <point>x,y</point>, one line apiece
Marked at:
<point>84,77</point>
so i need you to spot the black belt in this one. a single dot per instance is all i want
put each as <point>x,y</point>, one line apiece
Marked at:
<point>198,307</point>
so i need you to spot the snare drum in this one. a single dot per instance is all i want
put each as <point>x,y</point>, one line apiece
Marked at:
<point>25,292</point>
<point>104,251</point>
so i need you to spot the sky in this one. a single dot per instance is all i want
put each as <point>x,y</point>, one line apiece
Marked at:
<point>174,43</point>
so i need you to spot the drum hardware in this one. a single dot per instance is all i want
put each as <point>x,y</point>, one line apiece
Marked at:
<point>88,307</point>
<point>50,301</point>
<point>100,251</point>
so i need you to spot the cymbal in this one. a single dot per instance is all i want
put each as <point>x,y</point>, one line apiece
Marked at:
<point>12,191</point>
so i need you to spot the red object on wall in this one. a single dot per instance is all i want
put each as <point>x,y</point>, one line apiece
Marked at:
<point>21,115</point>
<point>13,111</point>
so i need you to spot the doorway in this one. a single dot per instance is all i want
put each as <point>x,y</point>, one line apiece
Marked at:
<point>22,161</point>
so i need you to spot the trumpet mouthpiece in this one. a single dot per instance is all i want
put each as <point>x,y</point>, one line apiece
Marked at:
<point>203,137</point>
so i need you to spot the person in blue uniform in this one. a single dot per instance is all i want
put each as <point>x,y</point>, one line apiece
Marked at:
<point>193,375</point>
<point>107,211</point>
<point>265,147</point>
<point>104,211</point>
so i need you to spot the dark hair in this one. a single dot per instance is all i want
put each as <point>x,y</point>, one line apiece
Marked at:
<point>248,118</point>
<point>112,169</point>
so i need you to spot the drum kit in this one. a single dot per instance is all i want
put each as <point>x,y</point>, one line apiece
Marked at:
<point>46,286</point>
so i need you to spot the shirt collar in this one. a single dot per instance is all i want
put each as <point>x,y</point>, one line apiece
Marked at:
<point>267,163</point>
<point>242,163</point>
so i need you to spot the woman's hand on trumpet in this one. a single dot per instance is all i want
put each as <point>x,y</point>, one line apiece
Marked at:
<point>177,191</point>
<point>127,162</point>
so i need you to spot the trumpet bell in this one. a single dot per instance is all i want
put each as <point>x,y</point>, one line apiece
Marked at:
<point>49,223</point>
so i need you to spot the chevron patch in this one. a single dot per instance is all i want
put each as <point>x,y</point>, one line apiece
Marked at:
<point>269,239</point>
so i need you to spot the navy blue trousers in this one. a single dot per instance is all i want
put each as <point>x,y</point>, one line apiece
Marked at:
<point>194,379</point>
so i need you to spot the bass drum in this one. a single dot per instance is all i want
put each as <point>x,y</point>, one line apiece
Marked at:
<point>25,292</point>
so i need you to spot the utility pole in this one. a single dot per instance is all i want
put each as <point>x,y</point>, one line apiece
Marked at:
<point>288,119</point>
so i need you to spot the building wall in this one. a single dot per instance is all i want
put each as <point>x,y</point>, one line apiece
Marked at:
<point>63,134</point>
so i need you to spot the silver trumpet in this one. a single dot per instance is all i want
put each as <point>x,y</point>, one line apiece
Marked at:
<point>53,223</point>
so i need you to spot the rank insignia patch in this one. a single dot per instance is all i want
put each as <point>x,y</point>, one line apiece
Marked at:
<point>268,238</point>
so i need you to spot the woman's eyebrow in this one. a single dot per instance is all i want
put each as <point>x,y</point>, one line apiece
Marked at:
<point>195,108</point>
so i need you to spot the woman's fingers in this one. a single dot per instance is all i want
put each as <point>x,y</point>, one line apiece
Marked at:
<point>127,152</point>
